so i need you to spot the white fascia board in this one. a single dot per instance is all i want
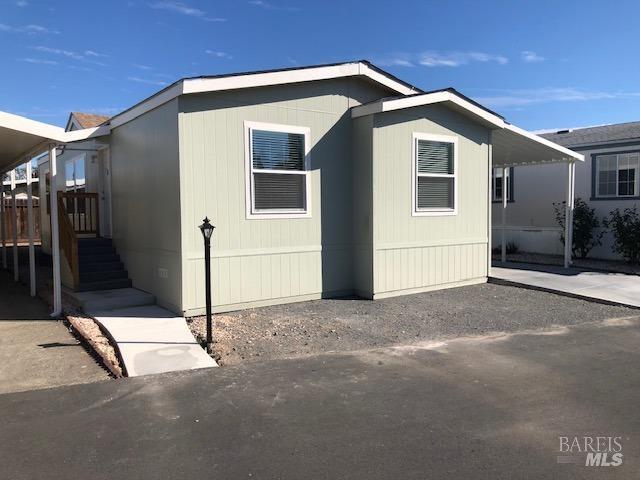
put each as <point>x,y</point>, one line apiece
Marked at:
<point>426,99</point>
<point>545,142</point>
<point>147,105</point>
<point>87,133</point>
<point>235,82</point>
<point>31,127</point>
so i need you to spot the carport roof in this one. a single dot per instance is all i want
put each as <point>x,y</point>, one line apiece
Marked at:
<point>21,137</point>
<point>511,145</point>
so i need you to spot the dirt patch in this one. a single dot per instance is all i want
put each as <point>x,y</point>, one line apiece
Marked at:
<point>307,328</point>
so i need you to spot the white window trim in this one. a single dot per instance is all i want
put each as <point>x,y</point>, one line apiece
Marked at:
<point>433,212</point>
<point>496,171</point>
<point>251,213</point>
<point>617,170</point>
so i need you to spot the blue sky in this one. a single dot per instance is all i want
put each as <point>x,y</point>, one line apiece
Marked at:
<point>542,64</point>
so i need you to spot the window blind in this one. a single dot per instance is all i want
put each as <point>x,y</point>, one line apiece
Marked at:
<point>435,192</point>
<point>277,150</point>
<point>435,157</point>
<point>279,191</point>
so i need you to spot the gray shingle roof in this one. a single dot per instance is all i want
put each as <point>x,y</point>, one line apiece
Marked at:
<point>595,135</point>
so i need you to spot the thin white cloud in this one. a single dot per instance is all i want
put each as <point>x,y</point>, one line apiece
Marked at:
<point>39,61</point>
<point>531,57</point>
<point>271,6</point>
<point>92,53</point>
<point>140,66</point>
<point>22,3</point>
<point>520,98</point>
<point>30,29</point>
<point>184,9</point>
<point>218,54</point>
<point>457,59</point>
<point>72,55</point>
<point>396,60</point>
<point>158,83</point>
<point>58,51</point>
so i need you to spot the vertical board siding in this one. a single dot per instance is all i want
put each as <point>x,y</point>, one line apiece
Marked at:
<point>146,202</point>
<point>262,260</point>
<point>413,252</point>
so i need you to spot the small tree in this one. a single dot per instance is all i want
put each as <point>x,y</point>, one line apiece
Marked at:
<point>585,224</point>
<point>625,226</point>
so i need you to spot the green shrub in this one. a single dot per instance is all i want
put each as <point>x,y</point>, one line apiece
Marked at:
<point>625,226</point>
<point>585,224</point>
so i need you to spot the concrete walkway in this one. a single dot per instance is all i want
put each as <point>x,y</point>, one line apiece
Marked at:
<point>614,288</point>
<point>35,351</point>
<point>151,339</point>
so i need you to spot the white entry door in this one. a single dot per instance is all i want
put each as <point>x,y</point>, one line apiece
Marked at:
<point>104,178</point>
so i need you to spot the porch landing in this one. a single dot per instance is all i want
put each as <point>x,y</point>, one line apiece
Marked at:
<point>150,339</point>
<point>604,287</point>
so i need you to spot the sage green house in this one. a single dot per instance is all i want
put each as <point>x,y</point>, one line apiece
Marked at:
<point>321,182</point>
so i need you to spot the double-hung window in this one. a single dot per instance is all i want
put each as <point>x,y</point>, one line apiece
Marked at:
<point>435,174</point>
<point>278,171</point>
<point>498,184</point>
<point>617,175</point>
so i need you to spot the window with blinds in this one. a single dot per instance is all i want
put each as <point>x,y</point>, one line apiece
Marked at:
<point>617,175</point>
<point>278,170</point>
<point>435,175</point>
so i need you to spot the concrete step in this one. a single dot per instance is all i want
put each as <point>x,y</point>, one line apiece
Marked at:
<point>98,275</point>
<point>104,285</point>
<point>95,250</point>
<point>101,300</point>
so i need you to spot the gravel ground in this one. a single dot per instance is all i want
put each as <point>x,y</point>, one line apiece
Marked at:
<point>306,328</point>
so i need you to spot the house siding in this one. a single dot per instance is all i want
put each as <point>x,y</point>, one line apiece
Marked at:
<point>146,202</point>
<point>530,220</point>
<point>266,261</point>
<point>420,253</point>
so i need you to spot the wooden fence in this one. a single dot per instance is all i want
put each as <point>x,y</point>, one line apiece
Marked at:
<point>23,226</point>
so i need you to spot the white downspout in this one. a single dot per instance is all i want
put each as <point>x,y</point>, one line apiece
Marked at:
<point>505,185</point>
<point>14,220</point>
<point>55,236</point>
<point>31,227</point>
<point>568,224</point>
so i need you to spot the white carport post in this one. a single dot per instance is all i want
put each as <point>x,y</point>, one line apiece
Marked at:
<point>505,184</point>
<point>31,228</point>
<point>55,238</point>
<point>568,224</point>
<point>14,223</point>
<point>2,219</point>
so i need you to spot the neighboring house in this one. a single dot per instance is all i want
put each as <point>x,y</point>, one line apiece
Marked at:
<point>83,167</point>
<point>608,179</point>
<point>321,181</point>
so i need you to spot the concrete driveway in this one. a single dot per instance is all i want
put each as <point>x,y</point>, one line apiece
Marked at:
<point>483,408</point>
<point>35,351</point>
<point>607,287</point>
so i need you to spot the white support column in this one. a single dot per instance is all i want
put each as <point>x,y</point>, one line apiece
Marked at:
<point>568,224</point>
<point>3,234</point>
<point>14,223</point>
<point>505,185</point>
<point>31,227</point>
<point>55,236</point>
<point>489,205</point>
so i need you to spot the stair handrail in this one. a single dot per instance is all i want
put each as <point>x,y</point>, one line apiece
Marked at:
<point>87,221</point>
<point>68,240</point>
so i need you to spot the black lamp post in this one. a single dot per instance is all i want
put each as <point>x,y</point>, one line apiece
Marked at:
<point>207,230</point>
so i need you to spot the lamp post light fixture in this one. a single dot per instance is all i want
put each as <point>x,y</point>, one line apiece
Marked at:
<point>207,230</point>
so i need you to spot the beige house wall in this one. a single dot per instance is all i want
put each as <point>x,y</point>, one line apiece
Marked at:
<point>420,253</point>
<point>146,202</point>
<point>268,261</point>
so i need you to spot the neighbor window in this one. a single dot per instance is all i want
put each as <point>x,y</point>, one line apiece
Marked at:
<point>278,170</point>
<point>617,175</point>
<point>498,184</point>
<point>434,175</point>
